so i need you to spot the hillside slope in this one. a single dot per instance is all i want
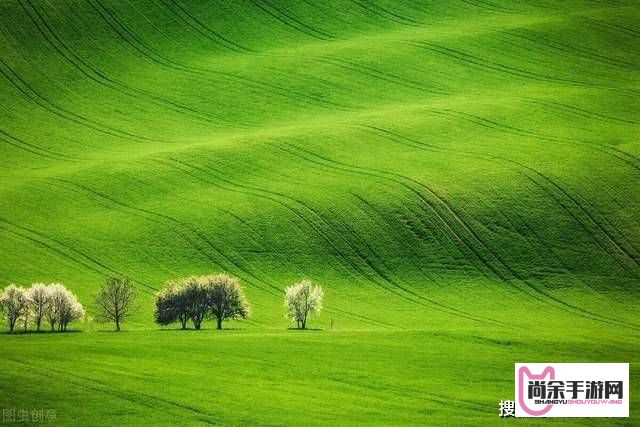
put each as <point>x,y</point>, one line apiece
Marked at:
<point>449,161</point>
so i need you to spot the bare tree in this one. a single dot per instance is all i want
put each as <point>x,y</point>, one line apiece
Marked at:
<point>226,298</point>
<point>302,299</point>
<point>14,303</point>
<point>116,300</point>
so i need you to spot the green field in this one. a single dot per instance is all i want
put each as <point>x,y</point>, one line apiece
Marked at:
<point>462,178</point>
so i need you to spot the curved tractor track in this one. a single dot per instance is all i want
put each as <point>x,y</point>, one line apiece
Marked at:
<point>413,158</point>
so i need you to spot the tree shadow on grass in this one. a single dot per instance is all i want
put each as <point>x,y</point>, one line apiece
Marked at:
<point>199,330</point>
<point>18,333</point>
<point>307,329</point>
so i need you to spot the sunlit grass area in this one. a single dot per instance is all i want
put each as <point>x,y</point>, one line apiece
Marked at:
<point>460,177</point>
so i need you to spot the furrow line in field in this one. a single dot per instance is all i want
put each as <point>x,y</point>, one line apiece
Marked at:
<point>63,250</point>
<point>234,187</point>
<point>589,215</point>
<point>429,207</point>
<point>492,158</point>
<point>59,252</point>
<point>490,124</point>
<point>254,235</point>
<point>159,218</point>
<point>581,112</point>
<point>343,312</point>
<point>298,21</point>
<point>378,10</point>
<point>156,57</point>
<point>102,79</point>
<point>112,205</point>
<point>432,210</point>
<point>481,63</point>
<point>377,217</point>
<point>432,301</point>
<point>291,22</point>
<point>276,198</point>
<point>416,224</point>
<point>537,294</point>
<point>33,149</point>
<point>618,28</point>
<point>519,132</point>
<point>29,92</point>
<point>389,279</point>
<point>200,27</point>
<point>377,74</point>
<point>131,39</point>
<point>500,160</point>
<point>486,6</point>
<point>566,49</point>
<point>525,281</point>
<point>376,271</point>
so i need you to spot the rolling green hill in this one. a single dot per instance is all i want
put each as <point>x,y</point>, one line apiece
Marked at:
<point>462,178</point>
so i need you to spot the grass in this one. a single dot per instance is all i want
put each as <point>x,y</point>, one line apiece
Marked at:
<point>279,377</point>
<point>461,177</point>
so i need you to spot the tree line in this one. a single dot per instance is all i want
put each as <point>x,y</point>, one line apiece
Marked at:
<point>40,303</point>
<point>194,299</point>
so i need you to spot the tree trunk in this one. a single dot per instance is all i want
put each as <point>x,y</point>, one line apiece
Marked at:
<point>117,324</point>
<point>38,321</point>
<point>219,323</point>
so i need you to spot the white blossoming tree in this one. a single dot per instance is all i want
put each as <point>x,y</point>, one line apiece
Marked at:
<point>301,300</point>
<point>65,307</point>
<point>39,303</point>
<point>14,304</point>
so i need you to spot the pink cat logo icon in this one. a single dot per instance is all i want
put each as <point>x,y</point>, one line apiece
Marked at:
<point>571,390</point>
<point>521,396</point>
